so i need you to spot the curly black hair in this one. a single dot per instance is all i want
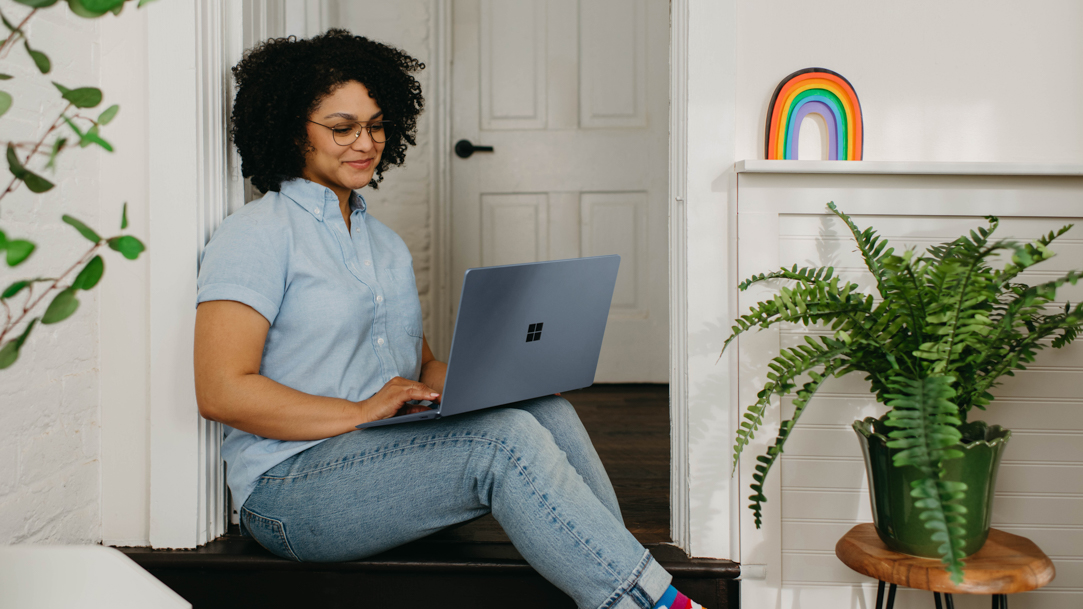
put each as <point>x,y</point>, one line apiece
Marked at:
<point>280,82</point>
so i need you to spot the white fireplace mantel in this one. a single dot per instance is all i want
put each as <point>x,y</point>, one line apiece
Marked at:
<point>909,168</point>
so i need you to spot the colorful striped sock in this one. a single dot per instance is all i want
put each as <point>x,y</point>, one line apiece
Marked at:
<point>672,599</point>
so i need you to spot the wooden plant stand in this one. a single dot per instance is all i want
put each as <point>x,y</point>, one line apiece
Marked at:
<point>1006,564</point>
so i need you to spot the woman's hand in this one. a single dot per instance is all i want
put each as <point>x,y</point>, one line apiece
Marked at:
<point>393,398</point>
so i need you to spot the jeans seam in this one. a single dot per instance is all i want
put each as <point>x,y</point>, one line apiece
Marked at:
<point>471,438</point>
<point>279,528</point>
<point>342,463</point>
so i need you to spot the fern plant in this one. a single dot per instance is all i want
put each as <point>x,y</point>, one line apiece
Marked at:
<point>946,327</point>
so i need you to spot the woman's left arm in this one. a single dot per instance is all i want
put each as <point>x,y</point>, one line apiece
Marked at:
<point>433,371</point>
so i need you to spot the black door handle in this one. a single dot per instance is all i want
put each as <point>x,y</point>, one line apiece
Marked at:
<point>463,148</point>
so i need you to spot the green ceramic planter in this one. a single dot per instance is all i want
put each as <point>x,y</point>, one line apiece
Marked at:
<point>896,518</point>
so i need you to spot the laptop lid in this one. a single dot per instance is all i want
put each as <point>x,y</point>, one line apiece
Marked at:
<point>528,330</point>
<point>524,331</point>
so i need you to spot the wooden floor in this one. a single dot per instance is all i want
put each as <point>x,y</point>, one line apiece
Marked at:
<point>629,425</point>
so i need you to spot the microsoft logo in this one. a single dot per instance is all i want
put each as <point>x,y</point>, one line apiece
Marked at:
<point>533,332</point>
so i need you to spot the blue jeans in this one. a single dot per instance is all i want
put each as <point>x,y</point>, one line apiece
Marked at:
<point>531,464</point>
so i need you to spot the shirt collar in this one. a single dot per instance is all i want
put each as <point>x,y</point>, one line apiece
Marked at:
<point>357,202</point>
<point>318,200</point>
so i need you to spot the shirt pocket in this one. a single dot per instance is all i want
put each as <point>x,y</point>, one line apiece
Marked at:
<point>403,302</point>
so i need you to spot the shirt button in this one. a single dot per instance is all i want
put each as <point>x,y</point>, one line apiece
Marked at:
<point>316,211</point>
<point>368,263</point>
<point>379,298</point>
<point>379,341</point>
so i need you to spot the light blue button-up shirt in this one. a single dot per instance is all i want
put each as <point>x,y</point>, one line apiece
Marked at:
<point>343,306</point>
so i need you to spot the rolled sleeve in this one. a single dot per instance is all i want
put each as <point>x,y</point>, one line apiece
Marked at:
<point>246,261</point>
<point>226,291</point>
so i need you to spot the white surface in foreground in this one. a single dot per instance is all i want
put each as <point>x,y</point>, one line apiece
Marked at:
<point>88,577</point>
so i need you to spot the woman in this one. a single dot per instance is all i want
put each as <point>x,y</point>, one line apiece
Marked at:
<point>309,323</point>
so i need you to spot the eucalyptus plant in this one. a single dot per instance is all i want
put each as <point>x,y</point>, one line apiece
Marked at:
<point>947,326</point>
<point>69,129</point>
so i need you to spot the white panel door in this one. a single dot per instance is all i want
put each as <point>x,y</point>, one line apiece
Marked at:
<point>573,97</point>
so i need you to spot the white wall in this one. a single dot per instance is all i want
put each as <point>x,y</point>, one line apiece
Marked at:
<point>964,81</point>
<point>50,409</point>
<point>405,199</point>
<point>980,80</point>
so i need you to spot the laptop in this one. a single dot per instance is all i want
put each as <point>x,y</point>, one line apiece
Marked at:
<point>524,331</point>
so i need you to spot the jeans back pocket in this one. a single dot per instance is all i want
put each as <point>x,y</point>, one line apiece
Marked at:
<point>269,532</point>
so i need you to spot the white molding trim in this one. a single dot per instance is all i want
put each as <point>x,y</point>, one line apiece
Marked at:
<point>678,275</point>
<point>189,44</point>
<point>440,199</point>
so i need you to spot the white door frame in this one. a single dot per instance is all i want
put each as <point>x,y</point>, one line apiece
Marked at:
<point>680,520</point>
<point>193,175</point>
<point>191,45</point>
<point>678,275</point>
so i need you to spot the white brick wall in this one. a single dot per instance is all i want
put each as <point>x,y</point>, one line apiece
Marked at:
<point>405,197</point>
<point>50,411</point>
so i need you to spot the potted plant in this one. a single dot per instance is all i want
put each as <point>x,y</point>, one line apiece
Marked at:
<point>946,327</point>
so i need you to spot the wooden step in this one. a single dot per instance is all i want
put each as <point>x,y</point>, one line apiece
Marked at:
<point>235,571</point>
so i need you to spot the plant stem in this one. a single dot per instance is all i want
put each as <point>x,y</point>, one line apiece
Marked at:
<point>9,325</point>
<point>13,37</point>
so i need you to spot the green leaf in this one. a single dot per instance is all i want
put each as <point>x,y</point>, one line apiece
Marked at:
<point>108,114</point>
<point>37,183</point>
<point>14,289</point>
<point>33,181</point>
<point>83,229</point>
<point>142,2</point>
<point>73,126</point>
<point>124,217</point>
<point>128,246</point>
<point>83,97</point>
<point>58,145</point>
<point>90,275</point>
<point>26,333</point>
<point>91,137</point>
<point>62,307</point>
<point>3,240</point>
<point>101,5</point>
<point>18,251</point>
<point>40,59</point>
<point>5,77</point>
<point>5,102</point>
<point>37,3</point>
<point>14,165</point>
<point>84,140</point>
<point>7,23</point>
<point>10,352</point>
<point>81,10</point>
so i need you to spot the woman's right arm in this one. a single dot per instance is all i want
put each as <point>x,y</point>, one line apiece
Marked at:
<point>229,389</point>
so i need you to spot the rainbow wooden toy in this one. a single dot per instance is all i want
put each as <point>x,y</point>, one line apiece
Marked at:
<point>815,91</point>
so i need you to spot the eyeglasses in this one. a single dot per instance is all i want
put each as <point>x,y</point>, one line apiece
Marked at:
<point>345,134</point>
